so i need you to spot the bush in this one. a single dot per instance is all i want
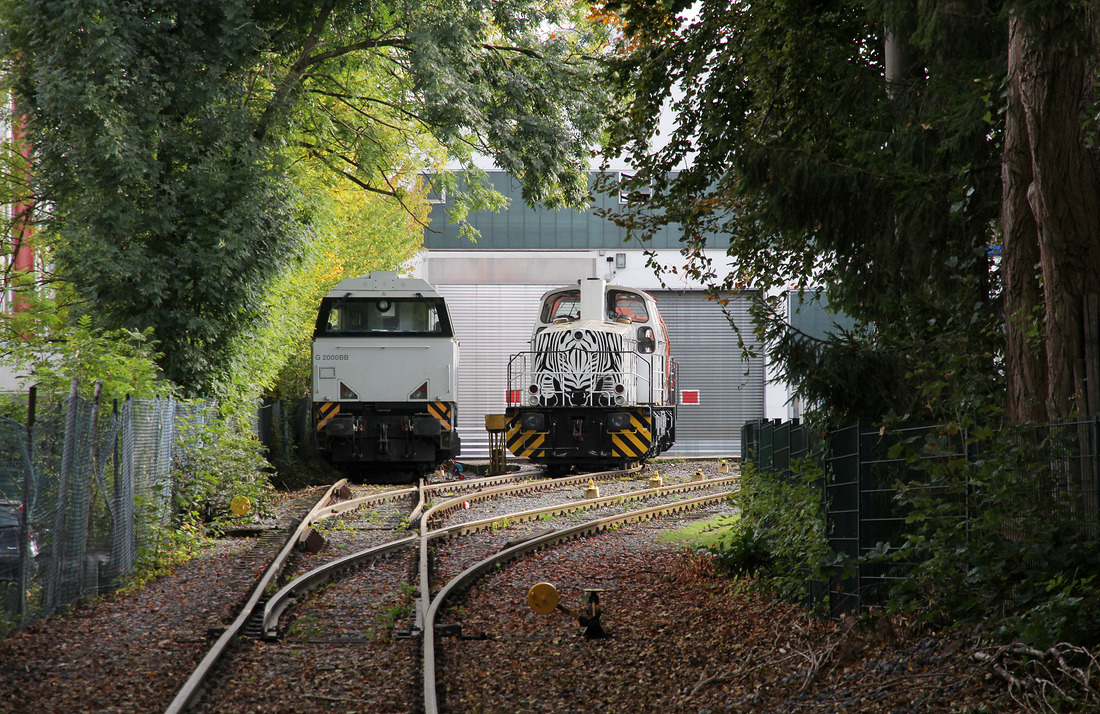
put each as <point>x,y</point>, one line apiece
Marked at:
<point>218,463</point>
<point>780,537</point>
<point>1003,533</point>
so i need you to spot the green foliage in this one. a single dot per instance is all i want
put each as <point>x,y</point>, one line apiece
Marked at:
<point>216,464</point>
<point>811,171</point>
<point>170,140</point>
<point>166,211</point>
<point>49,348</point>
<point>1001,536</point>
<point>744,552</point>
<point>780,536</point>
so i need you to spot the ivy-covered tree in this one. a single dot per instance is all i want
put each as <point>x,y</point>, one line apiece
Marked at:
<point>162,134</point>
<point>1051,210</point>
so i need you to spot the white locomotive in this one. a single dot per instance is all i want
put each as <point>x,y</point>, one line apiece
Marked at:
<point>385,360</point>
<point>598,386</point>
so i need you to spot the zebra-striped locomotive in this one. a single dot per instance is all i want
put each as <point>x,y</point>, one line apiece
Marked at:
<point>598,386</point>
<point>385,360</point>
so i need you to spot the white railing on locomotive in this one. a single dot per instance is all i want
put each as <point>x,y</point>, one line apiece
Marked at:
<point>569,378</point>
<point>518,379</point>
<point>653,388</point>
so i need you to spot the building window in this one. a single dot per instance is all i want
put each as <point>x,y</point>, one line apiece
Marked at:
<point>437,192</point>
<point>632,195</point>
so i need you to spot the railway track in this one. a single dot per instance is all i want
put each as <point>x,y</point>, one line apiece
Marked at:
<point>381,586</point>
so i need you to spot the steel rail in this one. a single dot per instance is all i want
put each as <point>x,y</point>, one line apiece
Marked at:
<point>319,576</point>
<point>327,572</point>
<point>431,703</point>
<point>192,689</point>
<point>447,506</point>
<point>482,481</point>
<point>467,527</point>
<point>355,503</point>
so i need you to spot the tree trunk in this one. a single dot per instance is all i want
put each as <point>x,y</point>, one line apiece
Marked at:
<point>1025,361</point>
<point>1055,81</point>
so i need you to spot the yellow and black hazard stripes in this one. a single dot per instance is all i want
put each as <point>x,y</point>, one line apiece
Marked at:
<point>583,435</point>
<point>527,444</point>
<point>634,441</point>
<point>323,412</point>
<point>444,412</point>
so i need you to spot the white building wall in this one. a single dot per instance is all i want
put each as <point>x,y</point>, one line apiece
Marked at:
<point>493,296</point>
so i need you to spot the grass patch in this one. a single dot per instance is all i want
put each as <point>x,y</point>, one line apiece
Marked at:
<point>701,534</point>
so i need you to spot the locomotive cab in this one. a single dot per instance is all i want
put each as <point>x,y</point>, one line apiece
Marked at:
<point>384,364</point>
<point>598,384</point>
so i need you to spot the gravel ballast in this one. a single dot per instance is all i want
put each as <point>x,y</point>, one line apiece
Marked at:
<point>682,639</point>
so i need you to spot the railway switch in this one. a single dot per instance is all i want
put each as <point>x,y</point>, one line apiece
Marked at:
<point>543,599</point>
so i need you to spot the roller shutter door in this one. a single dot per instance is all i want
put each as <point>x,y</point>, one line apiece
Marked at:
<point>730,391</point>
<point>492,323</point>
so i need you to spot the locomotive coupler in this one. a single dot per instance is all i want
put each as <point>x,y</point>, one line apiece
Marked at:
<point>383,438</point>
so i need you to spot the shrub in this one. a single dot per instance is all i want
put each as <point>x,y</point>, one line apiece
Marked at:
<point>780,537</point>
<point>1003,533</point>
<point>217,463</point>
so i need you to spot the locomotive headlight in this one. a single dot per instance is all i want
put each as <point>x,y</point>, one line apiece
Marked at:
<point>533,389</point>
<point>619,389</point>
<point>533,400</point>
<point>620,399</point>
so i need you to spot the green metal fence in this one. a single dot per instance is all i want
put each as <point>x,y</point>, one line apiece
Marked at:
<point>859,485</point>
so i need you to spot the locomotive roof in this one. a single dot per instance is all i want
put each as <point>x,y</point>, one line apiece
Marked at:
<point>607,286</point>
<point>383,282</point>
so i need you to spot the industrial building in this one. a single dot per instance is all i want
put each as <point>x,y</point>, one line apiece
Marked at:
<point>493,288</point>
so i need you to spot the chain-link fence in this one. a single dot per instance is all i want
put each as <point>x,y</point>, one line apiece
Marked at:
<point>85,490</point>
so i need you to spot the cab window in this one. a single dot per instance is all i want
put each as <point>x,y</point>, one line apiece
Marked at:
<point>396,316</point>
<point>561,305</point>
<point>622,305</point>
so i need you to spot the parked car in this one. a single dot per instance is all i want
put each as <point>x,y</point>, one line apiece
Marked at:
<point>11,525</point>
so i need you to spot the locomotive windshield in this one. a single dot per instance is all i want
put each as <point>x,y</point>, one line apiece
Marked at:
<point>383,316</point>
<point>562,305</point>
<point>622,305</point>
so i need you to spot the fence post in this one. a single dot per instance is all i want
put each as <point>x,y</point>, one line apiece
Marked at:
<point>1095,500</point>
<point>28,502</point>
<point>53,598</point>
<point>89,492</point>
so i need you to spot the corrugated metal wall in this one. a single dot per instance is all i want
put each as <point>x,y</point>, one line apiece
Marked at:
<point>731,391</point>
<point>494,321</point>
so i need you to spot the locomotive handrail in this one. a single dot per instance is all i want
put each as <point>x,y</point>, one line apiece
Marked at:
<point>640,385</point>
